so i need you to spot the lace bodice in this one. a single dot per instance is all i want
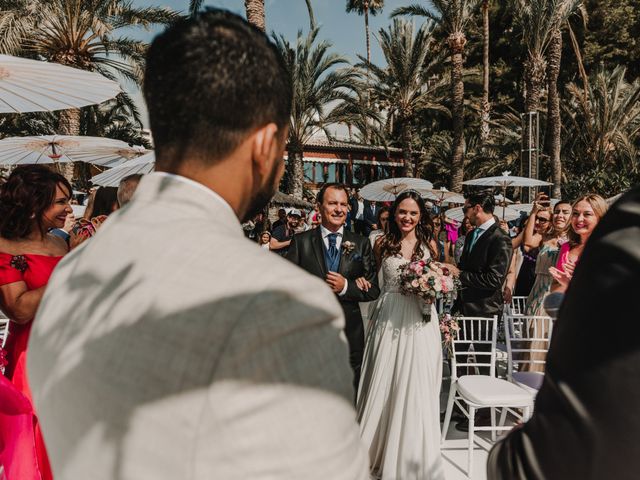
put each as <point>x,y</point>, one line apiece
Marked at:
<point>391,273</point>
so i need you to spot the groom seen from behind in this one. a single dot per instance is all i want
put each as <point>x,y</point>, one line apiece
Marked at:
<point>170,346</point>
<point>344,260</point>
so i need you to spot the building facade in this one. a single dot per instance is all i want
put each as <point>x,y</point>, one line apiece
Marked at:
<point>352,164</point>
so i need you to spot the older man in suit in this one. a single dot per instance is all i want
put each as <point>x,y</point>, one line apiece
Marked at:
<point>169,346</point>
<point>344,260</point>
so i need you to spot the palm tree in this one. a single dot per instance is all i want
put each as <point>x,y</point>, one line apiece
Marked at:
<point>604,125</point>
<point>255,13</point>
<point>406,85</point>
<point>82,34</point>
<point>540,22</point>
<point>366,7</point>
<point>115,119</point>
<point>319,88</point>
<point>356,112</point>
<point>312,18</point>
<point>452,16</point>
<point>79,34</point>
<point>554,121</point>
<point>485,111</point>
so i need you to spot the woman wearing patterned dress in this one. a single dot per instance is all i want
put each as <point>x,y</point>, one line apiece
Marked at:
<point>547,257</point>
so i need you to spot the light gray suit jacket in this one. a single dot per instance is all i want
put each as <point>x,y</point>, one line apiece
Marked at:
<point>169,346</point>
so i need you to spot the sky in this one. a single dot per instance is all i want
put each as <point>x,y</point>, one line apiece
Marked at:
<point>286,17</point>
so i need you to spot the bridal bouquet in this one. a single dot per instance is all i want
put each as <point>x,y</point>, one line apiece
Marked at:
<point>430,281</point>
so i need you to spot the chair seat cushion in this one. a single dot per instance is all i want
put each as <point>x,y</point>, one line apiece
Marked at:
<point>491,391</point>
<point>531,381</point>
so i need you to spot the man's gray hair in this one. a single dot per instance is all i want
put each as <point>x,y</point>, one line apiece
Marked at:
<point>127,187</point>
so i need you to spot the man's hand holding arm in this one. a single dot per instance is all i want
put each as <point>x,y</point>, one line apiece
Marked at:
<point>354,293</point>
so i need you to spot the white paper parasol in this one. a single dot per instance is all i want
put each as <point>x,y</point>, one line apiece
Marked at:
<point>34,86</point>
<point>387,190</point>
<point>510,213</point>
<point>112,177</point>
<point>442,195</point>
<point>58,148</point>
<point>506,180</point>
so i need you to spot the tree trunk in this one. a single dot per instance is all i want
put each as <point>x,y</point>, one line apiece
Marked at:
<point>456,44</point>
<point>554,124</point>
<point>486,106</point>
<point>534,74</point>
<point>68,124</point>
<point>407,154</point>
<point>366,31</point>
<point>255,13</point>
<point>296,171</point>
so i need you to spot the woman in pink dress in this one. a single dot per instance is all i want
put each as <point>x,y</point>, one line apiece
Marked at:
<point>586,212</point>
<point>33,201</point>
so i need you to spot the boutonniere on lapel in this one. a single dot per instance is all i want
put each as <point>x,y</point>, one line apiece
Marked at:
<point>348,247</point>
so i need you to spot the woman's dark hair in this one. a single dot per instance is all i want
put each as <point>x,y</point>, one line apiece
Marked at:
<point>25,196</point>
<point>382,210</point>
<point>105,202</point>
<point>463,231</point>
<point>390,243</point>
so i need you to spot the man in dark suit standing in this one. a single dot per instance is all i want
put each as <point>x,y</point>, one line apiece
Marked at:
<point>483,267</point>
<point>485,260</point>
<point>586,423</point>
<point>370,217</point>
<point>344,260</point>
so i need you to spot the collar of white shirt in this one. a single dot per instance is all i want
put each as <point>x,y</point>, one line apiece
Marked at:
<point>486,225</point>
<point>198,185</point>
<point>326,232</point>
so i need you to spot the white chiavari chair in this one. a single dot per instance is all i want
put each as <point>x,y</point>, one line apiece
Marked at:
<point>517,306</point>
<point>475,348</point>
<point>528,339</point>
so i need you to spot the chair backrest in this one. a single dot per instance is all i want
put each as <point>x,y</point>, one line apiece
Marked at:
<point>4,329</point>
<point>525,336</point>
<point>473,332</point>
<point>518,306</point>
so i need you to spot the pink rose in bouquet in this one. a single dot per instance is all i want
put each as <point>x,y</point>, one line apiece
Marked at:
<point>430,281</point>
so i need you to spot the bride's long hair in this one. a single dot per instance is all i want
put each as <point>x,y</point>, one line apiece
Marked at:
<point>390,242</point>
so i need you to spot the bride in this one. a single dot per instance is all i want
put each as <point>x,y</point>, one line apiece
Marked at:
<point>399,394</point>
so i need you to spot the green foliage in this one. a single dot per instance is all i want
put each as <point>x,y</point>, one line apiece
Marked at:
<point>613,35</point>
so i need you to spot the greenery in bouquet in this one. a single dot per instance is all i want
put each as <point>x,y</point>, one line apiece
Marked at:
<point>449,329</point>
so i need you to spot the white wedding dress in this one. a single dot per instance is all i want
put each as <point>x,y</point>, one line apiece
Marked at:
<point>399,394</point>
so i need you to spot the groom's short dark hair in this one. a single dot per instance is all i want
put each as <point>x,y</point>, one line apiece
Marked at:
<point>484,198</point>
<point>210,80</point>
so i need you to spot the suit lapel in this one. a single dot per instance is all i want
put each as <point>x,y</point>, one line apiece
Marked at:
<point>483,238</point>
<point>318,250</point>
<point>344,259</point>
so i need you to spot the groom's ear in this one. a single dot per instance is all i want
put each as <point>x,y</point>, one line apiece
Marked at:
<point>267,147</point>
